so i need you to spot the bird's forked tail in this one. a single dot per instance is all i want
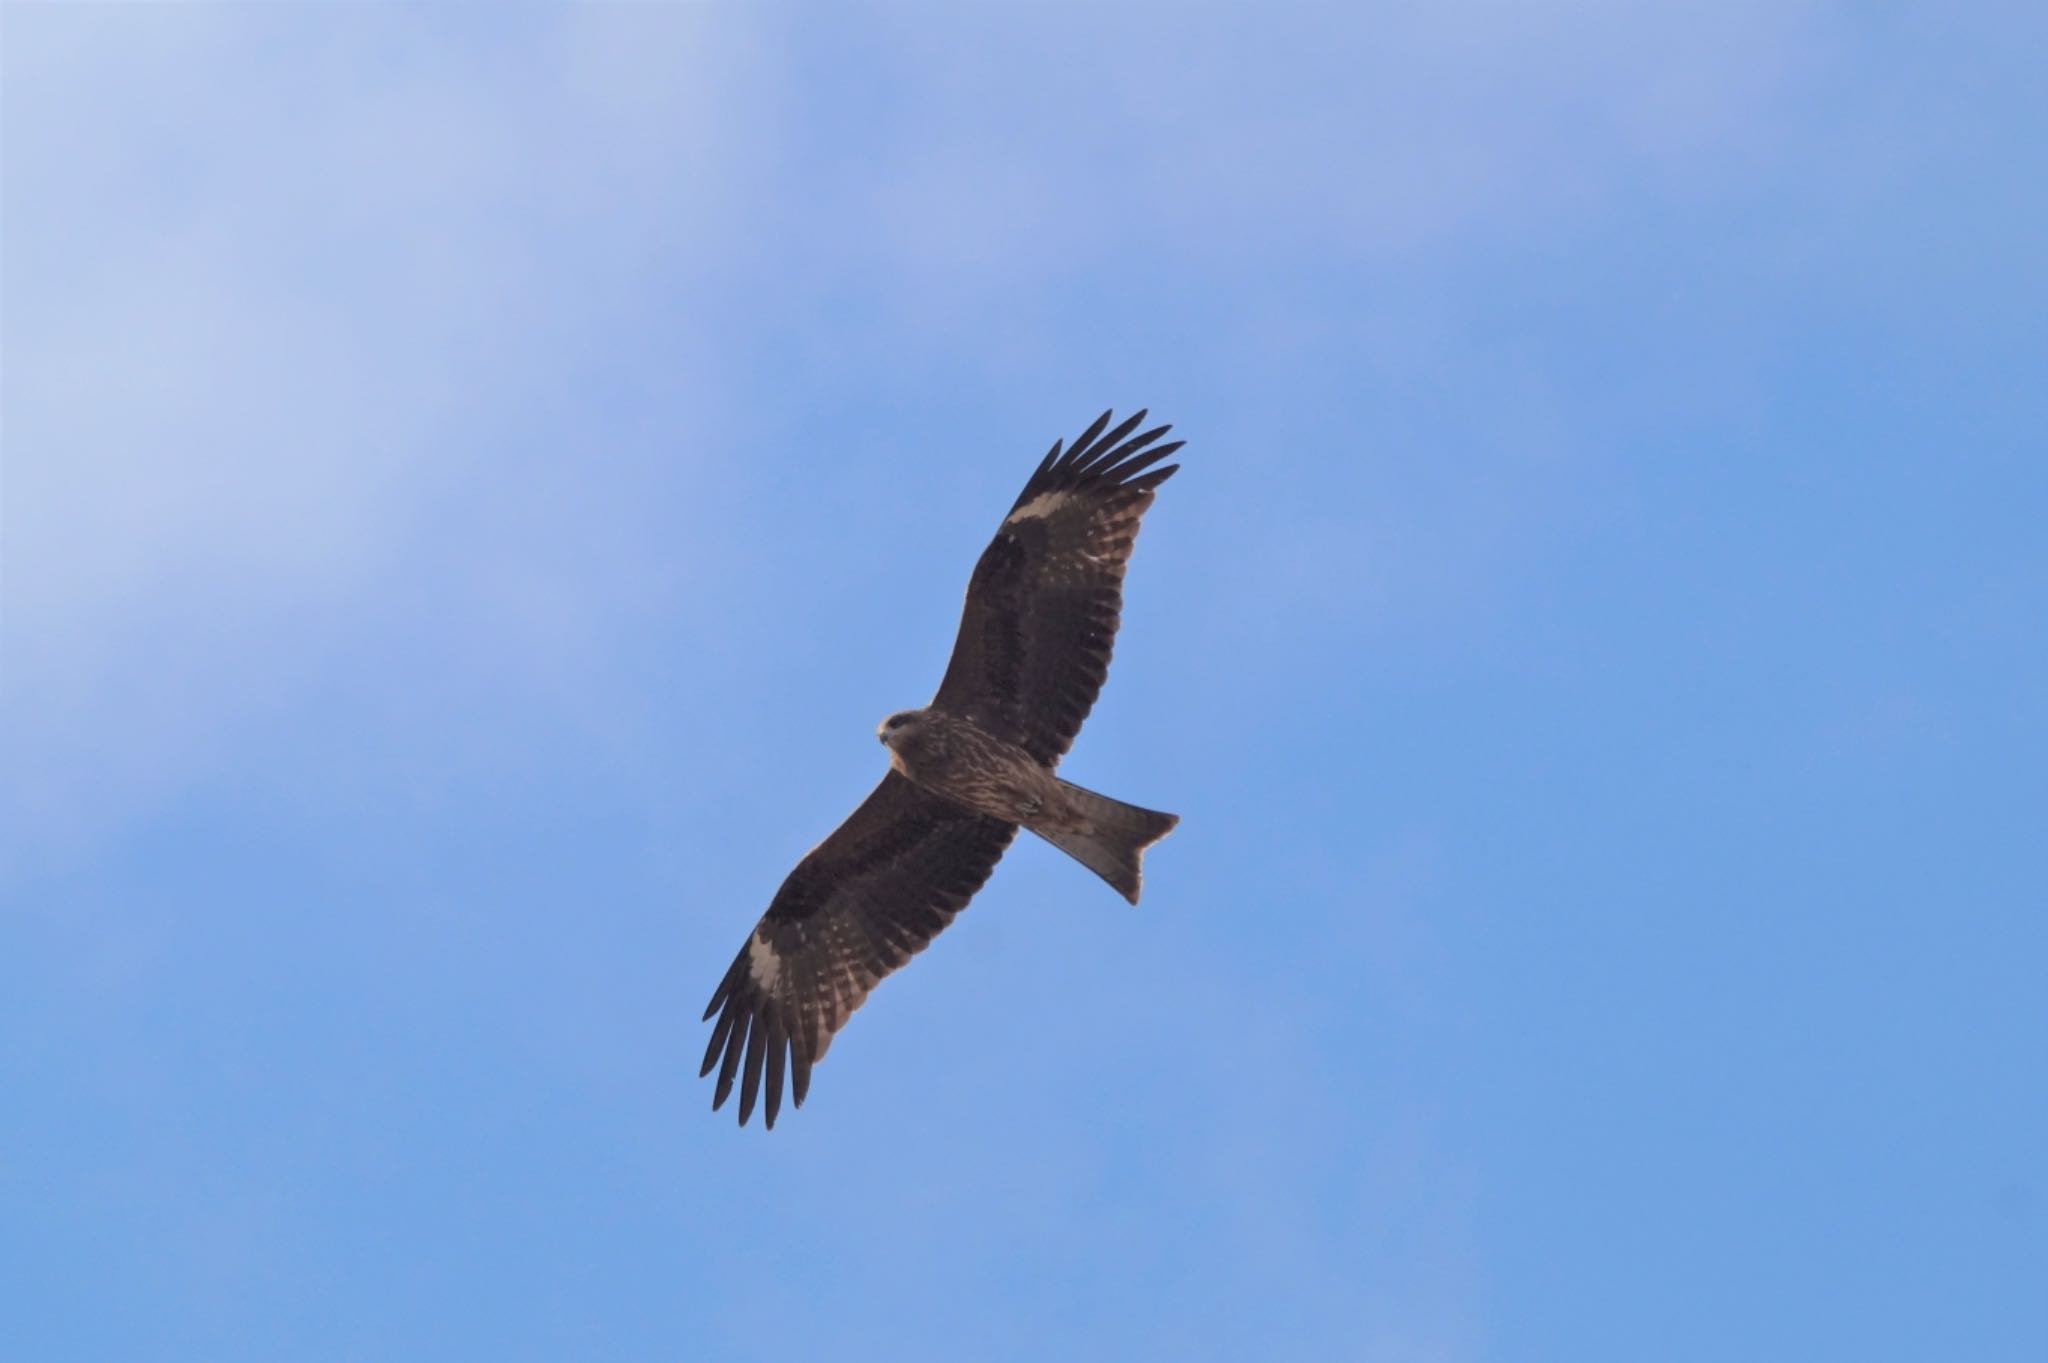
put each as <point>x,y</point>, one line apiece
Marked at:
<point>1111,838</point>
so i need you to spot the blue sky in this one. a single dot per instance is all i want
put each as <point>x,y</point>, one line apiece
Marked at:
<point>472,483</point>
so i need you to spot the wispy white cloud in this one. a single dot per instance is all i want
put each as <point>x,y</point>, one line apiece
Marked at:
<point>291,300</point>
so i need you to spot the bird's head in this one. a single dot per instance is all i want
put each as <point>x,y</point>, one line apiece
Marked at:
<point>896,727</point>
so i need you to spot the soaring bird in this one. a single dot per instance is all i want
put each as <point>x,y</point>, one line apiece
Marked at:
<point>965,772</point>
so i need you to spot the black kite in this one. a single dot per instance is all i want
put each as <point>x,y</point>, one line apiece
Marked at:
<point>964,773</point>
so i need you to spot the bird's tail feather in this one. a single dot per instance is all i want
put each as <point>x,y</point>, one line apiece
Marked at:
<point>1113,838</point>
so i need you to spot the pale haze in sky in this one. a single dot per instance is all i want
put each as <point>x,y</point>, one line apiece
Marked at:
<point>472,482</point>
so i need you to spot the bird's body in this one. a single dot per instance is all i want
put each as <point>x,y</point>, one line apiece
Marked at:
<point>955,758</point>
<point>966,772</point>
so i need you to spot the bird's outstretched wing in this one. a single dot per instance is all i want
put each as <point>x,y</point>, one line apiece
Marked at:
<point>1044,602</point>
<point>860,904</point>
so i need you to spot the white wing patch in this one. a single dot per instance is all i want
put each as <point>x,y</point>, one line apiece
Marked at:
<point>1044,504</point>
<point>762,963</point>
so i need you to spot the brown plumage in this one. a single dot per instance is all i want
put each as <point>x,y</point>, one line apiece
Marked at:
<point>965,773</point>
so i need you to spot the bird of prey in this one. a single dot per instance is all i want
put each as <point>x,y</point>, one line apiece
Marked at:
<point>965,772</point>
